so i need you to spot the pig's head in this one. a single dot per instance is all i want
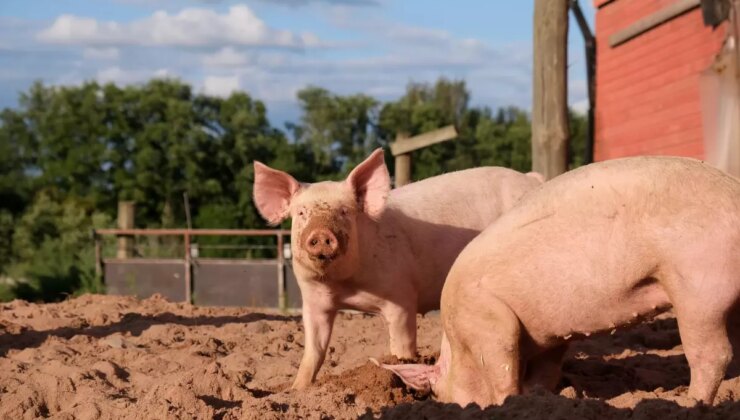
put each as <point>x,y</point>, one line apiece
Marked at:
<point>324,234</point>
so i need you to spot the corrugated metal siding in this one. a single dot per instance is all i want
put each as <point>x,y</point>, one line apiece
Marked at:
<point>145,277</point>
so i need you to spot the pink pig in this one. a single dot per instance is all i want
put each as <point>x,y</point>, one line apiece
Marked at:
<point>358,245</point>
<point>600,247</point>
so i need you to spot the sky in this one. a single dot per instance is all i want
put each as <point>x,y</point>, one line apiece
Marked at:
<point>273,48</point>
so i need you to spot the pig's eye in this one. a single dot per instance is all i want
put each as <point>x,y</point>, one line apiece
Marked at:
<point>301,212</point>
<point>345,211</point>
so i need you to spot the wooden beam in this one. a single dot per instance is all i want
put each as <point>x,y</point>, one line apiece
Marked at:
<point>651,21</point>
<point>404,146</point>
<point>402,173</point>
<point>125,221</point>
<point>550,131</point>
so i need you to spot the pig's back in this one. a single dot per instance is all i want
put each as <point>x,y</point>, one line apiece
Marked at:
<point>470,198</point>
<point>640,198</point>
<point>652,186</point>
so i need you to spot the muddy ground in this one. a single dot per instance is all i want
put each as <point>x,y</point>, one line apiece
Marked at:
<point>117,357</point>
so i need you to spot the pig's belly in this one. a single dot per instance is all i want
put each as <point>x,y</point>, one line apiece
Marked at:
<point>561,321</point>
<point>363,303</point>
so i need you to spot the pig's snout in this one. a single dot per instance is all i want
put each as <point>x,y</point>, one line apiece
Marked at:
<point>322,244</point>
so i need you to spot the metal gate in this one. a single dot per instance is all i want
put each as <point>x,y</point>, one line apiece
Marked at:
<point>202,281</point>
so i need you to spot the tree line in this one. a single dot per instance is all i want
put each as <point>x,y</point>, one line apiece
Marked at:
<point>68,154</point>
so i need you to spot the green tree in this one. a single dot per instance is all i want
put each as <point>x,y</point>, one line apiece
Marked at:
<point>426,107</point>
<point>241,134</point>
<point>504,140</point>
<point>14,181</point>
<point>338,131</point>
<point>577,143</point>
<point>54,249</point>
<point>69,154</point>
<point>14,153</point>
<point>66,138</point>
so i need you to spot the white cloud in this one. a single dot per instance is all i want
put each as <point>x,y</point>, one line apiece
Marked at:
<point>291,3</point>
<point>417,34</point>
<point>191,27</point>
<point>401,62</point>
<point>162,73</point>
<point>578,94</point>
<point>497,75</point>
<point>384,57</point>
<point>225,57</point>
<point>119,76</point>
<point>109,53</point>
<point>220,85</point>
<point>296,3</point>
<point>581,106</point>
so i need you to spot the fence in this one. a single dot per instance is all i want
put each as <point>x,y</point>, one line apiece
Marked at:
<point>257,282</point>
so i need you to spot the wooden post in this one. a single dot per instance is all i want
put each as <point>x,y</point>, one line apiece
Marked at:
<point>98,255</point>
<point>125,221</point>
<point>403,164</point>
<point>188,267</point>
<point>282,297</point>
<point>550,131</point>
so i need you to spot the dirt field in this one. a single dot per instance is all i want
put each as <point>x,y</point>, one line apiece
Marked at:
<point>115,357</point>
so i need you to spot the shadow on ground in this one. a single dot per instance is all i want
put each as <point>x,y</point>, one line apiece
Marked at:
<point>551,406</point>
<point>132,323</point>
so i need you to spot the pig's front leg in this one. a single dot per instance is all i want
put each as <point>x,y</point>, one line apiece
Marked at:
<point>401,321</point>
<point>317,324</point>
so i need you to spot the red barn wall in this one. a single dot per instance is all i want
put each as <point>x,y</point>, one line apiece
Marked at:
<point>647,89</point>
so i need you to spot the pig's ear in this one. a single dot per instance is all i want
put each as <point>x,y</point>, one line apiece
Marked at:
<point>418,377</point>
<point>371,183</point>
<point>273,191</point>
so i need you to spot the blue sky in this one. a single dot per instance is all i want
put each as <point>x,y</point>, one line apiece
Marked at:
<point>273,48</point>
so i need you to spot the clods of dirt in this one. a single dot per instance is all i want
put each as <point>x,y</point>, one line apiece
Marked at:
<point>101,357</point>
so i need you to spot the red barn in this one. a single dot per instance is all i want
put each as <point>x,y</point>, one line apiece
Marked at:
<point>650,54</point>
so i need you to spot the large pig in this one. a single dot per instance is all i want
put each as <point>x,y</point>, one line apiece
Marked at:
<point>600,247</point>
<point>358,245</point>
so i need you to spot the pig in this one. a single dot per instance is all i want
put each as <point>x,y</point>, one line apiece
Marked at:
<point>358,245</point>
<point>604,246</point>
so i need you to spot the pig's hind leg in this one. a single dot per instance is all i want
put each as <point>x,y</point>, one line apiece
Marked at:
<point>707,349</point>
<point>702,306</point>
